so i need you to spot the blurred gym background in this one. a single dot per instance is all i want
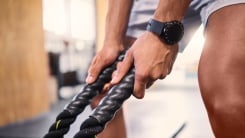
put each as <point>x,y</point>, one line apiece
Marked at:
<point>45,49</point>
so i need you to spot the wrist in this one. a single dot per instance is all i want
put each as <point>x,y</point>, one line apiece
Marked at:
<point>157,43</point>
<point>112,38</point>
<point>112,44</point>
<point>169,32</point>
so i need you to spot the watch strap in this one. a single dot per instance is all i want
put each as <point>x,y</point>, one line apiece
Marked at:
<point>155,27</point>
<point>170,32</point>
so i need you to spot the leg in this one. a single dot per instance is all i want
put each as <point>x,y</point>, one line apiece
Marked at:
<point>222,72</point>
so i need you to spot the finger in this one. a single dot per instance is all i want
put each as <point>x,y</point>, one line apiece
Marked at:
<point>173,58</point>
<point>171,65</point>
<point>166,66</point>
<point>164,72</point>
<point>114,74</point>
<point>106,88</point>
<point>156,72</point>
<point>139,87</point>
<point>94,70</point>
<point>162,77</point>
<point>149,84</point>
<point>123,68</point>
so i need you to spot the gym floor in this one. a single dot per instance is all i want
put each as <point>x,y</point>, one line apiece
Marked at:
<point>165,112</point>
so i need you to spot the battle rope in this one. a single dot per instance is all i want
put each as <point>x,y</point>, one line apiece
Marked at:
<point>79,102</point>
<point>107,108</point>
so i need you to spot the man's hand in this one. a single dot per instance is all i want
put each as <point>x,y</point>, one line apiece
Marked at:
<point>106,56</point>
<point>152,60</point>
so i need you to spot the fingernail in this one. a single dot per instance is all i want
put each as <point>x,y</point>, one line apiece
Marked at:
<point>89,79</point>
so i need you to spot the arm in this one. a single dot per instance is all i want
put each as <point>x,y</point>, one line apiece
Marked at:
<point>117,20</point>
<point>152,58</point>
<point>168,10</point>
<point>116,24</point>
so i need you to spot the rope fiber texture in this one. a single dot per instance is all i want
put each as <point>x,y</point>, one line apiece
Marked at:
<point>108,107</point>
<point>63,121</point>
<point>102,114</point>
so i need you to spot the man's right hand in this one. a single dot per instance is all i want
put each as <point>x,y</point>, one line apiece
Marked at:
<point>106,56</point>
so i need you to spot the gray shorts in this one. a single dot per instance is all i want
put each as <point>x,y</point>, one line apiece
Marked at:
<point>198,12</point>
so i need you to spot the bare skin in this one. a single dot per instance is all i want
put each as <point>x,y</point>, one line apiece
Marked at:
<point>222,72</point>
<point>152,58</point>
<point>159,61</point>
<point>160,57</point>
<point>116,24</point>
<point>155,62</point>
<point>221,69</point>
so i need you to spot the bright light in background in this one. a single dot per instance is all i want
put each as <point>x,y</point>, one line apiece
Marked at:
<point>70,18</point>
<point>54,16</point>
<point>194,48</point>
<point>83,19</point>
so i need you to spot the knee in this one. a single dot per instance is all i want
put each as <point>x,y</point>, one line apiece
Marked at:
<point>228,109</point>
<point>224,101</point>
<point>222,94</point>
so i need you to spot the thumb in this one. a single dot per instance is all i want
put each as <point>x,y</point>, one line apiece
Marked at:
<point>94,70</point>
<point>123,68</point>
<point>139,87</point>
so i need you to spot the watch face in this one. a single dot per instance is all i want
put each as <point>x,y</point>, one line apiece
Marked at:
<point>173,32</point>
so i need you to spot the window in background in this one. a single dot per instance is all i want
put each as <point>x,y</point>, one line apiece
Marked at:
<point>70,31</point>
<point>83,19</point>
<point>54,16</point>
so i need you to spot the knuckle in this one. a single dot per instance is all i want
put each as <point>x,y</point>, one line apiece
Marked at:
<point>155,76</point>
<point>103,56</point>
<point>163,75</point>
<point>90,70</point>
<point>93,72</point>
<point>106,61</point>
<point>142,75</point>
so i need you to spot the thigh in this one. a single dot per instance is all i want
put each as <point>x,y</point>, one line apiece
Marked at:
<point>223,56</point>
<point>222,71</point>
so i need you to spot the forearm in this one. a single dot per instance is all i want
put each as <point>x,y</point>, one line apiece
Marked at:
<point>169,10</point>
<point>117,20</point>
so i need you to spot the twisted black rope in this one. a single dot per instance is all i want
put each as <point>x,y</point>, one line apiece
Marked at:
<point>107,107</point>
<point>79,102</point>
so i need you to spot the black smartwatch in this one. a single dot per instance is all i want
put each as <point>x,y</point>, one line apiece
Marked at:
<point>170,32</point>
